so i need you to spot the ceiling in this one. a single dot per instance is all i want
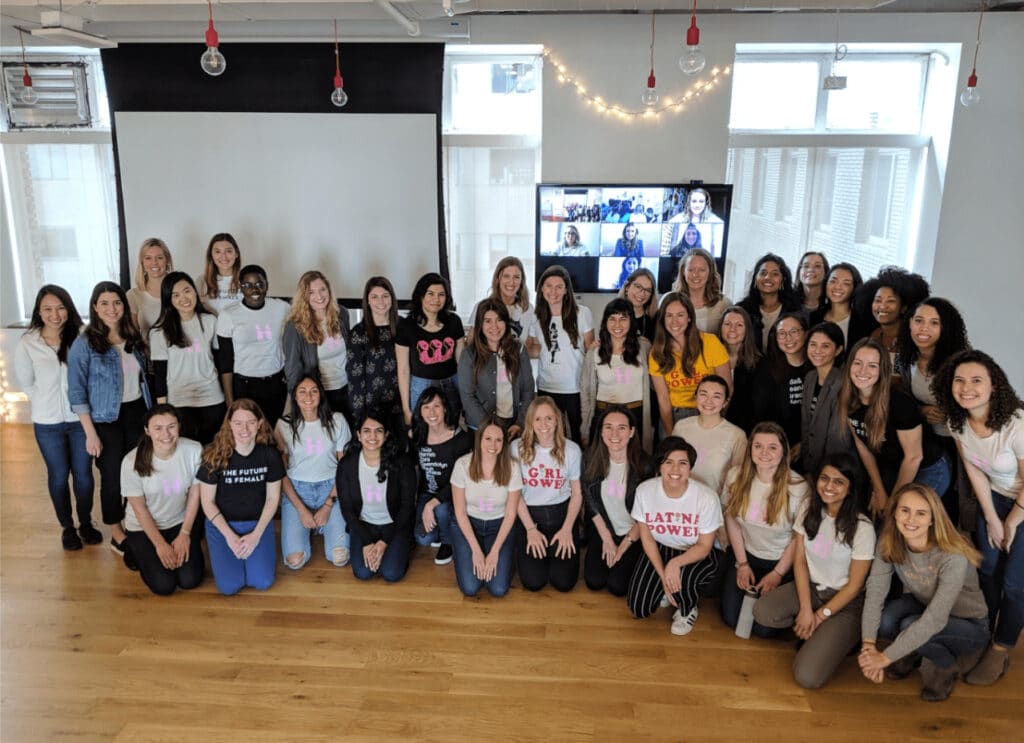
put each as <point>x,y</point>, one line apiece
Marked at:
<point>172,20</point>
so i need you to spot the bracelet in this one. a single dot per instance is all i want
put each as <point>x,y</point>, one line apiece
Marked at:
<point>776,571</point>
<point>741,564</point>
<point>186,533</point>
<point>1018,505</point>
<point>531,528</point>
<point>215,517</point>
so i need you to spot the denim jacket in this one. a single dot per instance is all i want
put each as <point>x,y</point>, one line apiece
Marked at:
<point>94,381</point>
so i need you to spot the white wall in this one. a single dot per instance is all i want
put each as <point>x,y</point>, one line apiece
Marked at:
<point>979,256</point>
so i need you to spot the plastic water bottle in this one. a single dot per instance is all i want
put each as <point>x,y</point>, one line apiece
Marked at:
<point>745,623</point>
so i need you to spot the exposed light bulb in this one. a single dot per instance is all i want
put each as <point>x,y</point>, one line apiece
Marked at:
<point>650,95</point>
<point>28,93</point>
<point>970,95</point>
<point>338,96</point>
<point>212,61</point>
<point>694,60</point>
<point>448,9</point>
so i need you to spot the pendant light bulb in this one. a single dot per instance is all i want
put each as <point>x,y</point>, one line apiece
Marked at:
<point>212,61</point>
<point>338,96</point>
<point>28,93</point>
<point>650,95</point>
<point>694,60</point>
<point>970,96</point>
<point>448,9</point>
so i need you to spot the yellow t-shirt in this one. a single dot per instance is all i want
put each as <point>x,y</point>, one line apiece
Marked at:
<point>682,387</point>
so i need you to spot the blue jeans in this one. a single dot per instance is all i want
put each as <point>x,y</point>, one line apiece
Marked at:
<point>63,448</point>
<point>936,475</point>
<point>295,537</point>
<point>231,574</point>
<point>450,388</point>
<point>1002,577</point>
<point>958,638</point>
<point>440,533</point>
<point>393,565</point>
<point>485,532</point>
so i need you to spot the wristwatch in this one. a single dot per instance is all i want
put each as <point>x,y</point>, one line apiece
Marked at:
<point>826,612</point>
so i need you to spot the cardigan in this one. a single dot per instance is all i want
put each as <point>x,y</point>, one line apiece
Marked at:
<point>820,431</point>
<point>400,499</point>
<point>300,356</point>
<point>479,393</point>
<point>592,493</point>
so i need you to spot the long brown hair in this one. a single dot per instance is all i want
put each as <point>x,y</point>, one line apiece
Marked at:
<point>523,295</point>
<point>713,287</point>
<point>528,439</point>
<point>892,547</point>
<point>97,332</point>
<point>502,474</point>
<point>570,311</point>
<point>72,326</point>
<point>782,478</point>
<point>218,453</point>
<point>748,355</point>
<point>303,317</point>
<point>210,273</point>
<point>368,324</point>
<point>661,349</point>
<point>877,410</point>
<point>597,460</point>
<point>144,452</point>
<point>508,346</point>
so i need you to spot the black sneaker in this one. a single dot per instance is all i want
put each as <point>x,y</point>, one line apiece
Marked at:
<point>70,541</point>
<point>129,557</point>
<point>444,555</point>
<point>118,547</point>
<point>90,534</point>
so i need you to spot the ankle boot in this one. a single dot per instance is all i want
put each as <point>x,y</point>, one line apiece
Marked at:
<point>937,683</point>
<point>903,667</point>
<point>991,668</point>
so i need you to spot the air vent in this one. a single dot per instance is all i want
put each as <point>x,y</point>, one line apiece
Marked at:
<point>62,90</point>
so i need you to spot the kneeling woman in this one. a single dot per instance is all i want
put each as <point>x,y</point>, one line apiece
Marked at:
<point>835,543</point>
<point>312,440</point>
<point>486,487</point>
<point>159,480</point>
<point>240,485</point>
<point>678,518</point>
<point>377,487</point>
<point>941,615</point>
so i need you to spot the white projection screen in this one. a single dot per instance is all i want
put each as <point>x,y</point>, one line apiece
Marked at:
<point>350,195</point>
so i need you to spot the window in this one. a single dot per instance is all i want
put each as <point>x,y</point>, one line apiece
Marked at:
<point>836,171</point>
<point>491,128</point>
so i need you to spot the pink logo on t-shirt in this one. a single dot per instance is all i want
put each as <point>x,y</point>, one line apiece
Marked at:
<point>196,347</point>
<point>617,490</point>
<point>485,505</point>
<point>544,477</point>
<point>756,512</point>
<point>621,374</point>
<point>129,366</point>
<point>171,487</point>
<point>436,351</point>
<point>314,447</point>
<point>333,343</point>
<point>502,374</point>
<point>674,523</point>
<point>263,333</point>
<point>374,493</point>
<point>819,547</point>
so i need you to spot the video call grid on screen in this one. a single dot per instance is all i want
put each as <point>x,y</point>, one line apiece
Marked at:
<point>600,234</point>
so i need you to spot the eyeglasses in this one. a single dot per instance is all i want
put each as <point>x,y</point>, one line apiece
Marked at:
<point>795,333</point>
<point>642,289</point>
<point>251,285</point>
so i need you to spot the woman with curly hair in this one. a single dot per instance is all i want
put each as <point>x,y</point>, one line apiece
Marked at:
<point>770,294</point>
<point>240,487</point>
<point>509,286</point>
<point>887,298</point>
<point>986,417</point>
<point>698,278</point>
<point>315,340</point>
<point>641,291</point>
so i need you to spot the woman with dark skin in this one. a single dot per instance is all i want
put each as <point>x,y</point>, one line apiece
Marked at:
<point>770,294</point>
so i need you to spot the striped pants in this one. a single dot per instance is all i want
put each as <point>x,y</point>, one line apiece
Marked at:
<point>645,588</point>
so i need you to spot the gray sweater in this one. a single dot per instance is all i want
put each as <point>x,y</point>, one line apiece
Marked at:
<point>944,582</point>
<point>479,394</point>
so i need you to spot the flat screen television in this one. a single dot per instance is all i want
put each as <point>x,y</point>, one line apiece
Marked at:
<point>601,233</point>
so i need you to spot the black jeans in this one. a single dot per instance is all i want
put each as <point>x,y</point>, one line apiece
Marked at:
<point>596,572</point>
<point>269,393</point>
<point>201,424</point>
<point>732,597</point>
<point>159,579</point>
<point>117,439</point>
<point>339,402</point>
<point>560,572</point>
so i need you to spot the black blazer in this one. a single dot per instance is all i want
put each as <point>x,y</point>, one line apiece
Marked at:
<point>401,499</point>
<point>592,493</point>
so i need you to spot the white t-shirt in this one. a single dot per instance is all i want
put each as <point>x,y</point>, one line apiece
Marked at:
<point>761,539</point>
<point>521,319</point>
<point>718,449</point>
<point>560,363</point>
<point>314,457</point>
<point>224,297</point>
<point>332,356</point>
<point>484,500</point>
<point>619,382</point>
<point>828,559</point>
<point>192,379</point>
<point>613,497</point>
<point>545,481</point>
<point>131,387</point>
<point>677,522</point>
<point>166,490</point>
<point>997,455</point>
<point>146,306</point>
<point>375,495</point>
<point>256,336</point>
<point>504,402</point>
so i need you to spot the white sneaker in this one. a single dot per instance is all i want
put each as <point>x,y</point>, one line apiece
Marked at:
<point>341,557</point>
<point>683,625</point>
<point>664,602</point>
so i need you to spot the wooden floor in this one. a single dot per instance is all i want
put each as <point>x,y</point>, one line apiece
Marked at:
<point>89,654</point>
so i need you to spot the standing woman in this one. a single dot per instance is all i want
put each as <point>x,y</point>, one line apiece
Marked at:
<point>680,357</point>
<point>887,428</point>
<point>986,417</point>
<point>888,298</point>
<point>508,286</point>
<point>737,335</point>
<point>820,433</point>
<point>107,389</point>
<point>678,518</point>
<point>220,284</point>
<point>438,442</point>
<point>181,349</point>
<point>550,467</point>
<point>312,439</point>
<point>159,480</point>
<point>495,374</point>
<point>941,616</point>
<point>762,500</point>
<point>249,353</point>
<point>615,373</point>
<point>240,487</point>
<point>314,340</point>
<point>372,368</point>
<point>769,295</point>
<point>641,291</point>
<point>428,345</point>
<point>41,368</point>
<point>699,280</point>
<point>834,545</point>
<point>720,445</point>
<point>377,487</point>
<point>562,331</point>
<point>614,465</point>
<point>837,304</point>
<point>779,383</point>
<point>810,280</point>
<point>144,301</point>
<point>486,487</point>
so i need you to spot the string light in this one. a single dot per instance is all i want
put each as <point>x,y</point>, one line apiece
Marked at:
<point>674,104</point>
<point>6,408</point>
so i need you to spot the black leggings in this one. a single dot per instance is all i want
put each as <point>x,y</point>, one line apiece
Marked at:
<point>201,424</point>
<point>596,572</point>
<point>536,573</point>
<point>267,392</point>
<point>117,439</point>
<point>159,579</point>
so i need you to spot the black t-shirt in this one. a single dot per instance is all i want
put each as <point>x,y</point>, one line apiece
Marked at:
<point>431,355</point>
<point>242,485</point>
<point>903,416</point>
<point>436,462</point>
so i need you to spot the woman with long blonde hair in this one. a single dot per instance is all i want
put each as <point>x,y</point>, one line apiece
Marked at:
<point>154,264</point>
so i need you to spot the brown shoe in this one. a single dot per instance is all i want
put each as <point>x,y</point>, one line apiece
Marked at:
<point>991,668</point>
<point>937,683</point>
